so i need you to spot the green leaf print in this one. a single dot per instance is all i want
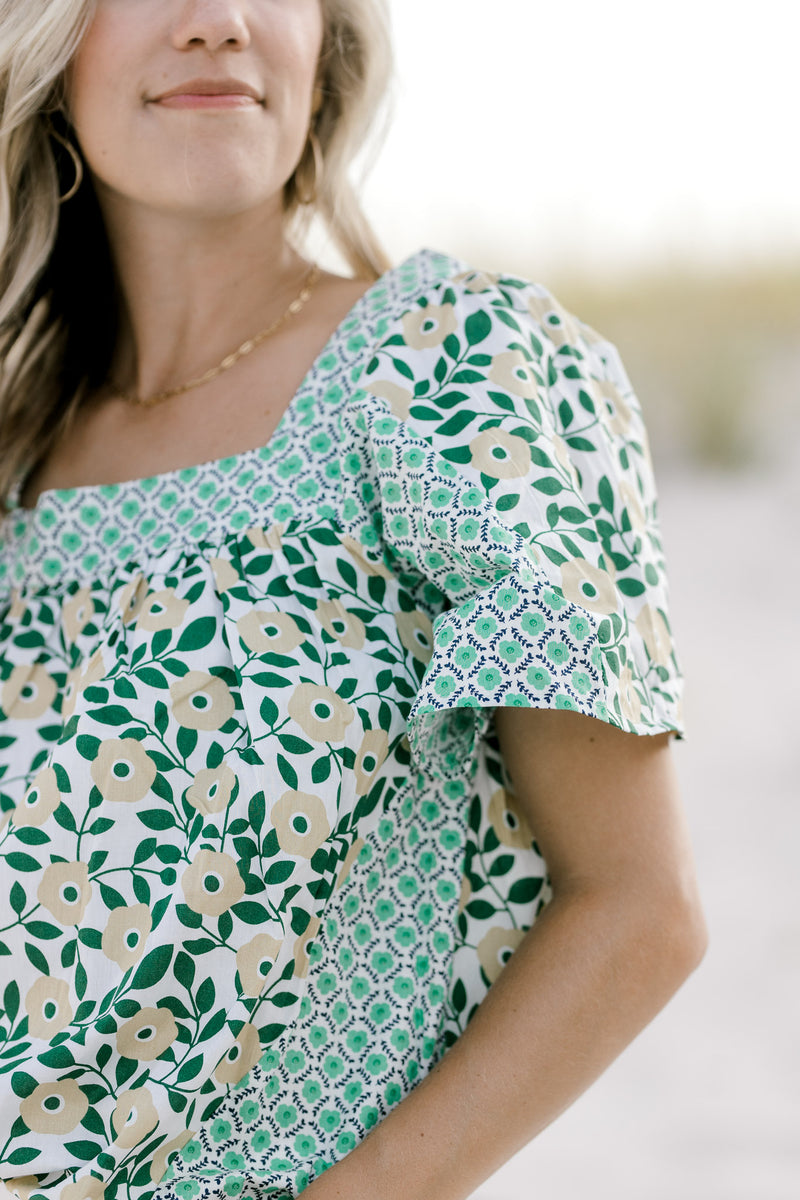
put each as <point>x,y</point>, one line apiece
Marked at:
<point>37,958</point>
<point>456,424</point>
<point>11,1000</point>
<point>18,861</point>
<point>605,494</point>
<point>153,967</point>
<point>111,714</point>
<point>22,1156</point>
<point>23,1084</point>
<point>288,773</point>
<point>477,327</point>
<point>524,891</point>
<point>43,930</point>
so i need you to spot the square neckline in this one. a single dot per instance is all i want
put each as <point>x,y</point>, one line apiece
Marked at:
<point>87,490</point>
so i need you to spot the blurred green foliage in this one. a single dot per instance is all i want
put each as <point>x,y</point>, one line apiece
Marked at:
<point>714,358</point>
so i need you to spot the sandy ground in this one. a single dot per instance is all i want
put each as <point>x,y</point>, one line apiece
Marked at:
<point>705,1105</point>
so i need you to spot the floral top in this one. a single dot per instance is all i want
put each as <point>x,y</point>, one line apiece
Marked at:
<point>260,858</point>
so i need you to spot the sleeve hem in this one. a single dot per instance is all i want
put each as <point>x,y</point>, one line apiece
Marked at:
<point>523,644</point>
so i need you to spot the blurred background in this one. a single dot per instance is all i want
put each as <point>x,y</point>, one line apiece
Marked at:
<point>641,161</point>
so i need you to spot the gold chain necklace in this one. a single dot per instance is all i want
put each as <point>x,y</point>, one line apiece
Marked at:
<point>230,359</point>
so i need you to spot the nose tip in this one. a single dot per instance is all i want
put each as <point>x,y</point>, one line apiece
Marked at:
<point>214,24</point>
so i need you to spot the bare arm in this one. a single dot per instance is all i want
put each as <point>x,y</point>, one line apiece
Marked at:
<point>622,932</point>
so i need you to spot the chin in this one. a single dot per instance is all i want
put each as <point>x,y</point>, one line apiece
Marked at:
<point>220,182</point>
<point>203,195</point>
<point>220,198</point>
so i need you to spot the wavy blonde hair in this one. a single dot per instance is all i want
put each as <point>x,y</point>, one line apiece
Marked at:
<point>58,292</point>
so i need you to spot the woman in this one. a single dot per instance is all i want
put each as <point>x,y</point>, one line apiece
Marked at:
<point>282,620</point>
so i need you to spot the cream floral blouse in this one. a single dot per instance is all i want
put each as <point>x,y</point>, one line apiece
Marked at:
<point>260,858</point>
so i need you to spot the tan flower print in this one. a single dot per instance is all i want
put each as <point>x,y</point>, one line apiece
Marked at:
<point>54,1108</point>
<point>321,714</point>
<point>212,883</point>
<point>201,701</point>
<point>511,372</point>
<point>476,281</point>
<point>269,632</point>
<point>416,633</point>
<point>211,789</point>
<point>123,770</point>
<point>27,693</point>
<point>501,455</point>
<point>465,894</point>
<point>533,554</point>
<point>655,633</point>
<point>613,409</point>
<point>398,398</point>
<point>17,607</point>
<point>632,500</point>
<point>370,758</point>
<point>508,821</point>
<point>79,679</point>
<point>23,1185</point>
<point>341,624</point>
<point>301,960</point>
<point>349,860</point>
<point>71,692</point>
<point>147,1034</point>
<point>629,699</point>
<point>65,891</point>
<point>254,961</point>
<point>132,598</point>
<point>367,565</point>
<point>588,586</point>
<point>243,1054</point>
<point>76,614</point>
<point>134,1117</point>
<point>561,455</point>
<point>158,1167</point>
<point>225,574</point>
<point>496,947</point>
<point>88,1188</point>
<point>162,610</point>
<point>267,539</point>
<point>40,801</point>
<point>301,823</point>
<point>48,1007</point>
<point>126,933</point>
<point>427,327</point>
<point>563,332</point>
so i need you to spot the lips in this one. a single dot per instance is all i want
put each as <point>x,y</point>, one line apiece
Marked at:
<point>211,88</point>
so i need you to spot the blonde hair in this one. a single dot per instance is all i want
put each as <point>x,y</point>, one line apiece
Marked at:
<point>58,298</point>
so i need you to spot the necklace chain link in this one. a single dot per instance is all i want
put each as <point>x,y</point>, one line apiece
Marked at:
<point>231,359</point>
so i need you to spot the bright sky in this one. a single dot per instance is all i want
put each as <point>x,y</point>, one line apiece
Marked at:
<point>593,134</point>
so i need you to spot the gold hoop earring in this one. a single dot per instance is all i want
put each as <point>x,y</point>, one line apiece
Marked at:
<point>76,162</point>
<point>308,194</point>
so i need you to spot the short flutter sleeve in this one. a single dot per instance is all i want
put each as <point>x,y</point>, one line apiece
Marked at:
<point>506,457</point>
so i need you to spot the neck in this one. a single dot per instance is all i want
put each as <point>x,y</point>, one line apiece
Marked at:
<point>192,290</point>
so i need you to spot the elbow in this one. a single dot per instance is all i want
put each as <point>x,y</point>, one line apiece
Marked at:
<point>694,934</point>
<point>678,932</point>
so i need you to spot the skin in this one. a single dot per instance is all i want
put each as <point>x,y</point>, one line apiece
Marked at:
<point>192,203</point>
<point>192,200</point>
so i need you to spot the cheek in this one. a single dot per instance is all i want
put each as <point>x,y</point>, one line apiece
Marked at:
<point>296,42</point>
<point>96,77</point>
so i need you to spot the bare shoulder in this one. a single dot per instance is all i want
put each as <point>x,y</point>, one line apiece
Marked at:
<point>336,295</point>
